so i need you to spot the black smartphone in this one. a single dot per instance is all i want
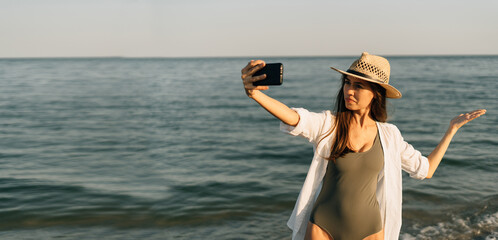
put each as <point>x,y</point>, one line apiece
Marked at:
<point>274,75</point>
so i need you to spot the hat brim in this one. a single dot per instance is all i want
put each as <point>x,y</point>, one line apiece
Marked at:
<point>391,92</point>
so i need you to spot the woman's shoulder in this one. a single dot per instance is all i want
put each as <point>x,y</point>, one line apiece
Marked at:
<point>389,129</point>
<point>387,125</point>
<point>327,116</point>
<point>328,113</point>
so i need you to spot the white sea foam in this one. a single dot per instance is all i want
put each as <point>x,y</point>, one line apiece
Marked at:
<point>483,227</point>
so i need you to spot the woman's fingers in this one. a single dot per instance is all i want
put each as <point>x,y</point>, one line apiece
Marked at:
<point>258,66</point>
<point>478,112</point>
<point>252,67</point>
<point>250,72</point>
<point>258,78</point>
<point>248,83</point>
<point>474,114</point>
<point>247,67</point>
<point>463,119</point>
<point>247,75</point>
<point>249,80</point>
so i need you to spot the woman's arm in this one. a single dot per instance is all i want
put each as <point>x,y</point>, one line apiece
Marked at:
<point>276,108</point>
<point>437,155</point>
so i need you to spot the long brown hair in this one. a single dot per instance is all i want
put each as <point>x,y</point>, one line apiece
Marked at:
<point>343,117</point>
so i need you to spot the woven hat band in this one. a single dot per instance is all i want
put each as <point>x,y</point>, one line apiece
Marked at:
<point>374,66</point>
<point>364,75</point>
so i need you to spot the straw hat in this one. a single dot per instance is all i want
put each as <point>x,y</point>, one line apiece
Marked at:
<point>374,69</point>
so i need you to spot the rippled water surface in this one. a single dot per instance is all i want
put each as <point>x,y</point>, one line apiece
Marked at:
<point>117,148</point>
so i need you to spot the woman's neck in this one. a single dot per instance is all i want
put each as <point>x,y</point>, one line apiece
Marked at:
<point>362,118</point>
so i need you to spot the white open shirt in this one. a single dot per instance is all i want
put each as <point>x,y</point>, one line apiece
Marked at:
<point>398,155</point>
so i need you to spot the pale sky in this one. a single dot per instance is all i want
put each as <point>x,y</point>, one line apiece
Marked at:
<point>217,28</point>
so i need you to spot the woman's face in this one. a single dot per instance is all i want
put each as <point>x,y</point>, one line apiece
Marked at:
<point>358,94</point>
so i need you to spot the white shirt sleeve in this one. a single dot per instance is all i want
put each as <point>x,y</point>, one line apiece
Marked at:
<point>310,126</point>
<point>412,160</point>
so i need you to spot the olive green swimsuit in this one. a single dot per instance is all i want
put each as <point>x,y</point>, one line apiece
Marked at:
<point>347,206</point>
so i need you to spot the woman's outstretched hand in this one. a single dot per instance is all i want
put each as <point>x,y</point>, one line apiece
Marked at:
<point>248,78</point>
<point>437,155</point>
<point>462,119</point>
<point>276,108</point>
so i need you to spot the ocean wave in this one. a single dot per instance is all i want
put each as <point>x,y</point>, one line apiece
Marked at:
<point>478,220</point>
<point>485,227</point>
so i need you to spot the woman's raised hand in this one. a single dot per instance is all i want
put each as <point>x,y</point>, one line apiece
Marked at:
<point>462,119</point>
<point>437,155</point>
<point>247,76</point>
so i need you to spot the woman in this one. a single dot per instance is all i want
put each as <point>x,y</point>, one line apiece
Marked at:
<point>353,187</point>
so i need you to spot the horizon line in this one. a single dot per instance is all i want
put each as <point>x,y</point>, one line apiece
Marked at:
<point>258,56</point>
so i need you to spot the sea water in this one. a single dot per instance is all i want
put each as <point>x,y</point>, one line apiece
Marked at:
<point>163,148</point>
